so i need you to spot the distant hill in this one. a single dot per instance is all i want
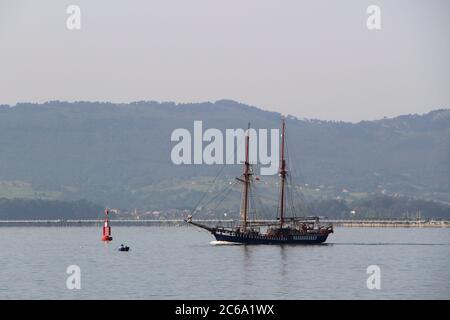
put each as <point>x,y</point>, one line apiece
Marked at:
<point>381,207</point>
<point>118,155</point>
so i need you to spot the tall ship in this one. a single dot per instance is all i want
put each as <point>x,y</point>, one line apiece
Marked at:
<point>282,230</point>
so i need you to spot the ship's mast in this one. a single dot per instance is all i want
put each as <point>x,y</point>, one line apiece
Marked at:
<point>282,175</point>
<point>246,182</point>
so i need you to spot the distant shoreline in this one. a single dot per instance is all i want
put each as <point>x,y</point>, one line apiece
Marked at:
<point>181,223</point>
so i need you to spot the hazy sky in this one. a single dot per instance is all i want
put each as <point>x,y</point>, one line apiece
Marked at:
<point>313,59</point>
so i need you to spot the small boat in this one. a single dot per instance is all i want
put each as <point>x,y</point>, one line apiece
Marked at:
<point>123,248</point>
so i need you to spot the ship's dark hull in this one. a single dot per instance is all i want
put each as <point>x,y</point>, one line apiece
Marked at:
<point>264,239</point>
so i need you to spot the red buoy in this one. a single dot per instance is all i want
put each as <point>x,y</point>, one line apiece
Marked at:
<point>106,228</point>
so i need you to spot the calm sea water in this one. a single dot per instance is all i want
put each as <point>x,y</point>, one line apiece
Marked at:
<point>180,263</point>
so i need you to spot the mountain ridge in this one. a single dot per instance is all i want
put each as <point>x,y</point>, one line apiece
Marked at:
<point>115,153</point>
<point>445,112</point>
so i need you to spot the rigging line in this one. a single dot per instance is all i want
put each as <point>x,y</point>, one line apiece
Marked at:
<point>290,157</point>
<point>302,201</point>
<point>256,202</point>
<point>298,195</point>
<point>250,207</point>
<point>295,192</point>
<point>258,198</point>
<point>225,194</point>
<point>288,198</point>
<point>296,172</point>
<point>291,196</point>
<point>220,193</point>
<point>252,203</point>
<point>266,211</point>
<point>214,181</point>
<point>207,191</point>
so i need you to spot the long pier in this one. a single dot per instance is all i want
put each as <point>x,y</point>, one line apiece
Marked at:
<point>391,223</point>
<point>181,223</point>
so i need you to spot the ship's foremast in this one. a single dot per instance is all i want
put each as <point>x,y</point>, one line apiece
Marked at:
<point>246,181</point>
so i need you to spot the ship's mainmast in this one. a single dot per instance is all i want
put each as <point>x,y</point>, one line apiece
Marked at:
<point>283,173</point>
<point>246,181</point>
